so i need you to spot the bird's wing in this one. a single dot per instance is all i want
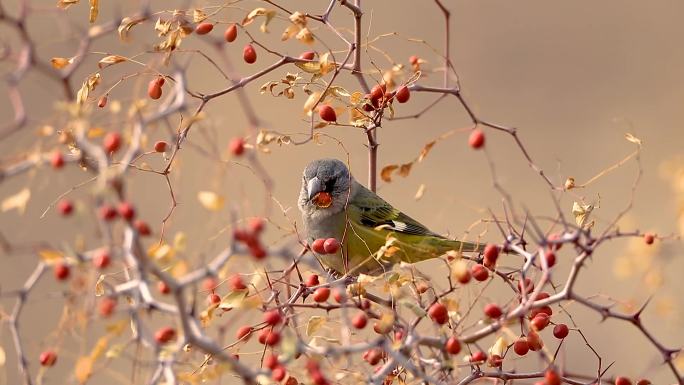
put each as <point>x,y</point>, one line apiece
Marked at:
<point>374,212</point>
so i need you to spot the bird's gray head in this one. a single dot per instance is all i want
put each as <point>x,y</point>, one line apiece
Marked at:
<point>325,186</point>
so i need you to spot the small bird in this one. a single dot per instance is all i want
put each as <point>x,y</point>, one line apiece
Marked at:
<point>374,235</point>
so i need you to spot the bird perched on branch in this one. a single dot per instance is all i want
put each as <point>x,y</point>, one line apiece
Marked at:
<point>374,234</point>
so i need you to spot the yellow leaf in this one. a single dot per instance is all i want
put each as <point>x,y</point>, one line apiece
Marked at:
<point>305,36</point>
<point>180,241</point>
<point>50,255</point>
<point>420,192</point>
<point>569,183</point>
<point>314,324</point>
<point>3,357</point>
<point>99,348</point>
<point>125,26</point>
<point>61,62</point>
<point>211,200</point>
<point>94,10</point>
<point>17,201</point>
<point>269,14</point>
<point>581,213</point>
<point>161,252</point>
<point>233,300</point>
<point>114,351</point>
<point>64,4</point>
<point>99,286</point>
<point>84,368</point>
<point>310,102</point>
<point>110,60</point>
<point>198,15</point>
<point>499,347</point>
<point>310,67</point>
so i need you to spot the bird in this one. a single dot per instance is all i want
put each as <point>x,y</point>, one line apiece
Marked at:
<point>374,235</point>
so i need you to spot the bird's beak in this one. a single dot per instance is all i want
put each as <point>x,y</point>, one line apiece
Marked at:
<point>314,187</point>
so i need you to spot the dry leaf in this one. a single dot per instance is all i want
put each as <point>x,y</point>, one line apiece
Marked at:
<point>61,62</point>
<point>581,213</point>
<point>198,15</point>
<point>99,286</point>
<point>211,200</point>
<point>268,14</point>
<point>420,192</point>
<point>64,4</point>
<point>88,85</point>
<point>633,139</point>
<point>235,299</point>
<point>17,201</point>
<point>94,10</point>
<point>83,369</point>
<point>3,357</point>
<point>386,173</point>
<point>569,183</point>
<point>499,347</point>
<point>110,60</point>
<point>125,26</point>
<point>50,255</point>
<point>314,324</point>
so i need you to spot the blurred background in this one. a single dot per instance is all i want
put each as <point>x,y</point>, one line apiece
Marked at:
<point>572,77</point>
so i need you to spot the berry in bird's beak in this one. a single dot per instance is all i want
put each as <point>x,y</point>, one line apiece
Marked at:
<point>322,199</point>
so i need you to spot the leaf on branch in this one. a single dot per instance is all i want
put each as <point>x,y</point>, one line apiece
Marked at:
<point>499,347</point>
<point>386,172</point>
<point>88,85</point>
<point>61,62</point>
<point>125,26</point>
<point>581,213</point>
<point>311,102</point>
<point>310,67</point>
<point>110,60</point>
<point>83,369</point>
<point>94,10</point>
<point>268,14</point>
<point>314,324</point>
<point>17,201</point>
<point>305,36</point>
<point>405,169</point>
<point>161,252</point>
<point>211,200</point>
<point>265,137</point>
<point>198,15</point>
<point>569,183</point>
<point>233,300</point>
<point>99,285</point>
<point>115,351</point>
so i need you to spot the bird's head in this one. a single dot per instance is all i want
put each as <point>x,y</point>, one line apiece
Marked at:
<point>325,186</point>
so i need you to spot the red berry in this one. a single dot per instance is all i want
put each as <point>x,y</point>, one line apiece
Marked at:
<point>403,94</point>
<point>102,102</point>
<point>65,207</point>
<point>327,113</point>
<point>560,331</point>
<point>364,304</point>
<point>126,210</point>
<point>318,246</point>
<point>107,306</point>
<point>204,28</point>
<point>413,59</point>
<point>102,259</point>
<point>163,288</point>
<point>453,345</point>
<point>142,228</point>
<point>236,283</point>
<point>495,360</point>
<point>527,286</point>
<point>340,296</point>
<point>112,142</point>
<point>478,356</point>
<point>521,347</point>
<point>273,317</point>
<point>542,295</point>
<point>160,81</point>
<point>256,225</point>
<point>554,238</point>
<point>154,89</point>
<point>550,257</point>
<point>160,146</point>
<point>622,381</point>
<point>236,146</point>
<point>493,311</point>
<point>643,381</point>
<point>308,55</point>
<point>270,337</point>
<point>540,321</point>
<point>231,33</point>
<point>551,377</point>
<point>278,373</point>
<point>479,272</point>
<point>270,361</point>
<point>57,160</point>
<point>165,335</point>
<point>107,212</point>
<point>209,284</point>
<point>476,139</point>
<point>648,238</point>
<point>377,92</point>
<point>491,254</point>
<point>244,332</point>
<point>312,280</point>
<point>249,54</point>
<point>61,271</point>
<point>438,313</point>
<point>213,299</point>
<point>321,294</point>
<point>257,251</point>
<point>331,246</point>
<point>360,320</point>
<point>48,358</point>
<point>534,341</point>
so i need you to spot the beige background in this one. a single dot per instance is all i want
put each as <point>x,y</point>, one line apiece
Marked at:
<point>573,76</point>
